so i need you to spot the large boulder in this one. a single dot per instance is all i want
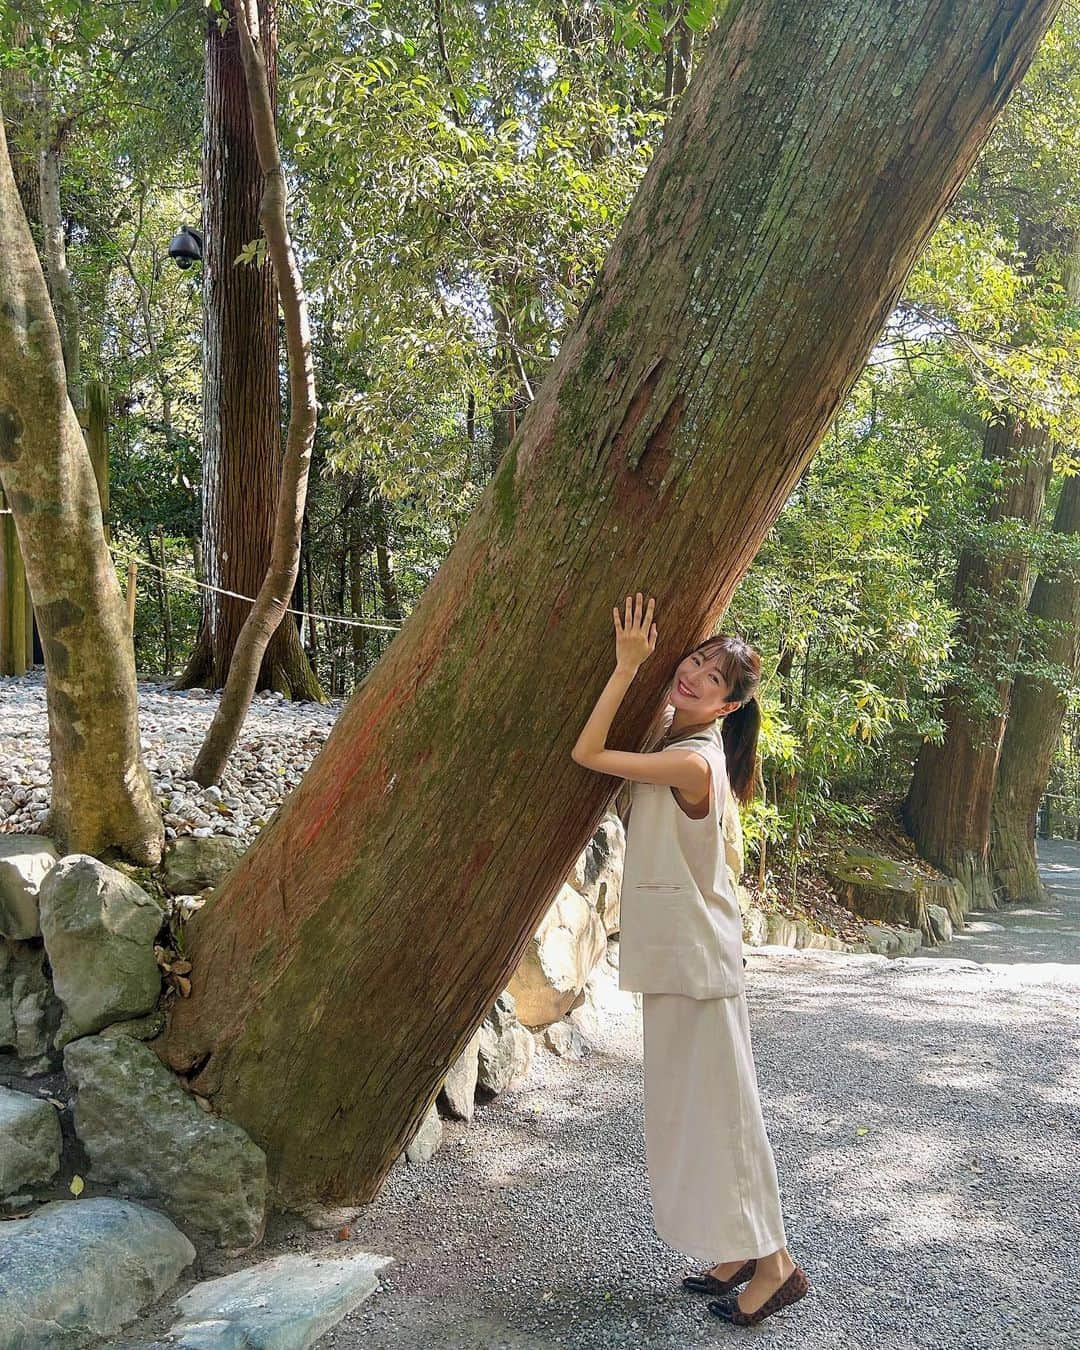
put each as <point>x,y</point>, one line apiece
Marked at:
<point>569,942</point>
<point>99,929</point>
<point>731,823</point>
<point>192,864</point>
<point>76,1270</point>
<point>29,1141</point>
<point>506,1047</point>
<point>144,1133</point>
<point>428,1138</point>
<point>458,1093</point>
<point>29,1011</point>
<point>25,860</point>
<point>597,874</point>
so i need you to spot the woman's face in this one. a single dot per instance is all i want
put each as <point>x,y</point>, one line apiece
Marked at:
<point>699,688</point>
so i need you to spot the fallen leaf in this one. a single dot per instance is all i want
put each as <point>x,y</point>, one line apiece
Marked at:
<point>863,1129</point>
<point>77,1185</point>
<point>343,1234</point>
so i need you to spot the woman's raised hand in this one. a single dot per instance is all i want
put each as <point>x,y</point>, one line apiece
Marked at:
<point>635,637</point>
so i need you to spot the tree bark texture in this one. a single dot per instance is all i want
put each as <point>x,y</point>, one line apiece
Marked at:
<point>101,793</point>
<point>276,588</point>
<point>358,944</point>
<point>947,807</point>
<point>65,310</point>
<point>1036,712</point>
<point>241,395</point>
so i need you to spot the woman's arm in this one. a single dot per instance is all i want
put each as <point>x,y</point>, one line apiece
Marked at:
<point>684,769</point>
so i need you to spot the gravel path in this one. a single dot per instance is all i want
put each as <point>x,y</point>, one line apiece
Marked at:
<point>947,1223</point>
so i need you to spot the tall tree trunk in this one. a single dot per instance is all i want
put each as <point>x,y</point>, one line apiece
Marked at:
<point>947,807</point>
<point>1037,707</point>
<point>366,933</point>
<point>384,562</point>
<point>276,587</point>
<point>1036,713</point>
<point>241,394</point>
<point>101,793</point>
<point>360,542</point>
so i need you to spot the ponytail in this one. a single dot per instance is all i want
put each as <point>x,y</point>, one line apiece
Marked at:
<point>739,730</point>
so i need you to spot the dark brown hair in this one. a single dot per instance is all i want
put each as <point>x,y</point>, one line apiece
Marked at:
<point>740,664</point>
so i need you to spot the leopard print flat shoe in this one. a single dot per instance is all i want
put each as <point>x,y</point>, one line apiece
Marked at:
<point>709,1284</point>
<point>793,1288</point>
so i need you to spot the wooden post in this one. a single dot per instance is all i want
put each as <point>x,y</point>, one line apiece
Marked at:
<point>14,604</point>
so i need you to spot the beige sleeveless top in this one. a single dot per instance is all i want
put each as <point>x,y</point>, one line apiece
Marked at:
<point>680,926</point>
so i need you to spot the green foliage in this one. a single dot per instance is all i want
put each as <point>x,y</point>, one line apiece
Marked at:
<point>458,173</point>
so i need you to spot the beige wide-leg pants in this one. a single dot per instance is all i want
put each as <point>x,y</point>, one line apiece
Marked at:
<point>712,1175</point>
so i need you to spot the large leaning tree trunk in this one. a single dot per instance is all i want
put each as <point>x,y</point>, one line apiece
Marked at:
<point>276,589</point>
<point>102,798</point>
<point>241,399</point>
<point>351,954</point>
<point>1036,712</point>
<point>947,807</point>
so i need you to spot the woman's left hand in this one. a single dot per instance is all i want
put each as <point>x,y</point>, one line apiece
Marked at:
<point>635,638</point>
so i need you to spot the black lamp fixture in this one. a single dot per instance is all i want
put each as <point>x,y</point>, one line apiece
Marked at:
<point>186,247</point>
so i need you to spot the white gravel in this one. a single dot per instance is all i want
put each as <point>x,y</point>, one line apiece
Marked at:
<point>278,742</point>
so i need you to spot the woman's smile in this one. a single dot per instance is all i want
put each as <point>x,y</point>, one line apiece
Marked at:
<point>686,693</point>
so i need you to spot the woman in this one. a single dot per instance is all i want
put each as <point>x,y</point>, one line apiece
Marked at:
<point>712,1176</point>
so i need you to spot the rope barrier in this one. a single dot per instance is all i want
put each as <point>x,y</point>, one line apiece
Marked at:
<point>235,595</point>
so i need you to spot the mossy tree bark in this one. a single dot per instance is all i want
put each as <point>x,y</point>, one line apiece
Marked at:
<point>350,956</point>
<point>242,452</point>
<point>1036,713</point>
<point>102,798</point>
<point>947,807</point>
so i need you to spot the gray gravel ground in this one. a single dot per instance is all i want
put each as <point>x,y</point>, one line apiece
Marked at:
<point>948,1223</point>
<point>924,1116</point>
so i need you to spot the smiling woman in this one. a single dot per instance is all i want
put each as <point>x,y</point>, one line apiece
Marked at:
<point>712,1177</point>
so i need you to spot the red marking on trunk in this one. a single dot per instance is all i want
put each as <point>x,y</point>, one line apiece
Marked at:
<point>330,776</point>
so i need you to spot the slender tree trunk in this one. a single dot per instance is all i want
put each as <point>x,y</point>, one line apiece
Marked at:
<point>96,433</point>
<point>166,610</point>
<point>101,793</point>
<point>947,808</point>
<point>366,933</point>
<point>14,609</point>
<point>360,546</point>
<point>277,584</point>
<point>1038,706</point>
<point>384,562</point>
<point>54,133</point>
<point>1036,713</point>
<point>241,394</point>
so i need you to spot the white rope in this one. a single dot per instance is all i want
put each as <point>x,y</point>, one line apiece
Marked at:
<point>235,595</point>
<point>205,585</point>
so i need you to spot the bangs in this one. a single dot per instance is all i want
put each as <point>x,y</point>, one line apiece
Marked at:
<point>726,662</point>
